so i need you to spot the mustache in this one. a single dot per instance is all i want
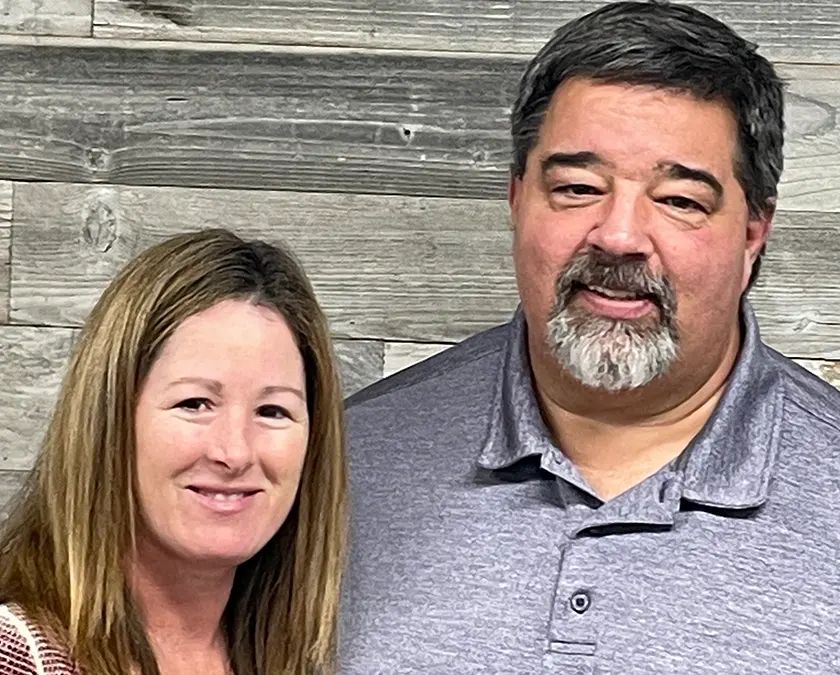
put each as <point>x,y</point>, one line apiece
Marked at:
<point>626,273</point>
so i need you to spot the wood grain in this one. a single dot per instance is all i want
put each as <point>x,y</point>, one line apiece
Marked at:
<point>313,120</point>
<point>385,268</point>
<point>794,31</point>
<point>10,483</point>
<point>360,362</point>
<point>401,355</point>
<point>5,247</point>
<point>50,17</point>
<point>32,363</point>
<point>827,370</point>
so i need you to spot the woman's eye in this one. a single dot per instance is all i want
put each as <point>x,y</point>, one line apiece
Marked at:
<point>684,204</point>
<point>194,404</point>
<point>274,412</point>
<point>577,190</point>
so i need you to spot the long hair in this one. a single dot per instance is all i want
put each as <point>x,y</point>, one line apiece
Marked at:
<point>64,548</point>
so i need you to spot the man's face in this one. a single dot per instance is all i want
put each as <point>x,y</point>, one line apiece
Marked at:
<point>632,237</point>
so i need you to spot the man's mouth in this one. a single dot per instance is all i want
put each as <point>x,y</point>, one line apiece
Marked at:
<point>616,293</point>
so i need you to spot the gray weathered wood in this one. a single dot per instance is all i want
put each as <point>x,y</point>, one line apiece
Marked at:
<point>401,355</point>
<point>46,17</point>
<point>361,363</point>
<point>10,484</point>
<point>32,363</point>
<point>305,119</point>
<point>390,268</point>
<point>827,370</point>
<point>5,246</point>
<point>795,31</point>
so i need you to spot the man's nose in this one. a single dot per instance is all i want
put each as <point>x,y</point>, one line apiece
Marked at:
<point>623,228</point>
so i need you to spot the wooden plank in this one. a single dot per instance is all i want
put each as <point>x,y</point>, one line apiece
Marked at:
<point>360,362</point>
<point>385,268</point>
<point>5,247</point>
<point>315,120</point>
<point>797,31</point>
<point>827,370</point>
<point>10,484</point>
<point>33,360</point>
<point>37,17</point>
<point>401,355</point>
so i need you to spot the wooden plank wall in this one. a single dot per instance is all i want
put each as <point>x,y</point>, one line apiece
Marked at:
<point>370,135</point>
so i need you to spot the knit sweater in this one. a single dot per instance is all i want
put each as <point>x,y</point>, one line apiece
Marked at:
<point>26,649</point>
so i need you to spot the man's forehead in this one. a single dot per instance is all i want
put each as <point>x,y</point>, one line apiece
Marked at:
<point>616,126</point>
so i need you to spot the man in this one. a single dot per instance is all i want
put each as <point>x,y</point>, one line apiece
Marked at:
<point>624,478</point>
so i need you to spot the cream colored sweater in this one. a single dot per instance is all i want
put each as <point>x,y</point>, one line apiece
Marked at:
<point>25,649</point>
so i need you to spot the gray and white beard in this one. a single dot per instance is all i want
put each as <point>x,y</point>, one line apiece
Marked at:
<point>607,353</point>
<point>612,354</point>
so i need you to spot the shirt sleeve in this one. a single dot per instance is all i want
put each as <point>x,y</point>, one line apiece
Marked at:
<point>18,647</point>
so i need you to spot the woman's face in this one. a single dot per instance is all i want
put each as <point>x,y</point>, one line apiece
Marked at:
<point>221,433</point>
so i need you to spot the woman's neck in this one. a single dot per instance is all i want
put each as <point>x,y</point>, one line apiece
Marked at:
<point>181,606</point>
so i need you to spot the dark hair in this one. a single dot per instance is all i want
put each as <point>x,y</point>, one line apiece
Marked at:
<point>671,47</point>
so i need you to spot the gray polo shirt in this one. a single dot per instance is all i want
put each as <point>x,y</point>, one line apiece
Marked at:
<point>478,548</point>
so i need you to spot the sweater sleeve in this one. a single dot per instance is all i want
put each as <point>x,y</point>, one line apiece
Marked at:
<point>18,646</point>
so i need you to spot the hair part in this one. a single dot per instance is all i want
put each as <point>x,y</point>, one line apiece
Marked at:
<point>65,546</point>
<point>672,47</point>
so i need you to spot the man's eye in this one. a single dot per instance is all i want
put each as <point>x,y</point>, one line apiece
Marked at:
<point>194,404</point>
<point>275,412</point>
<point>684,204</point>
<point>576,190</point>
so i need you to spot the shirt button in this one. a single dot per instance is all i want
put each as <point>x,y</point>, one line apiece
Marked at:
<point>580,602</point>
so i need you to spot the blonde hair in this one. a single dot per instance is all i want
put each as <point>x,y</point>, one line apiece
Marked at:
<point>63,549</point>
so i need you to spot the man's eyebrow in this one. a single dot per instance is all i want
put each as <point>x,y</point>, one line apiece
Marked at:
<point>581,160</point>
<point>679,171</point>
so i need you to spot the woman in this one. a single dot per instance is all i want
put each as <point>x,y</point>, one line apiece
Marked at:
<point>187,511</point>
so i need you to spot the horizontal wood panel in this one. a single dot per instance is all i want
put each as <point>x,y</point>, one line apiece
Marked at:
<point>314,120</point>
<point>795,31</point>
<point>382,266</point>
<point>33,361</point>
<point>10,484</point>
<point>385,268</point>
<point>827,370</point>
<point>46,17</point>
<point>360,361</point>
<point>401,355</point>
<point>5,247</point>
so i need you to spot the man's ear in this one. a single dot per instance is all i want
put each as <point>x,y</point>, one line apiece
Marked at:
<point>759,228</point>
<point>514,191</point>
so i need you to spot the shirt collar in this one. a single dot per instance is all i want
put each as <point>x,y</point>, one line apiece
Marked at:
<point>727,465</point>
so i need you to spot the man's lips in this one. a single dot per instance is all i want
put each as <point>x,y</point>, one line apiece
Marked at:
<point>616,304</point>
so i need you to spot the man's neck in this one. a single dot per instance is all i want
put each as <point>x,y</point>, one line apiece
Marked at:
<point>617,439</point>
